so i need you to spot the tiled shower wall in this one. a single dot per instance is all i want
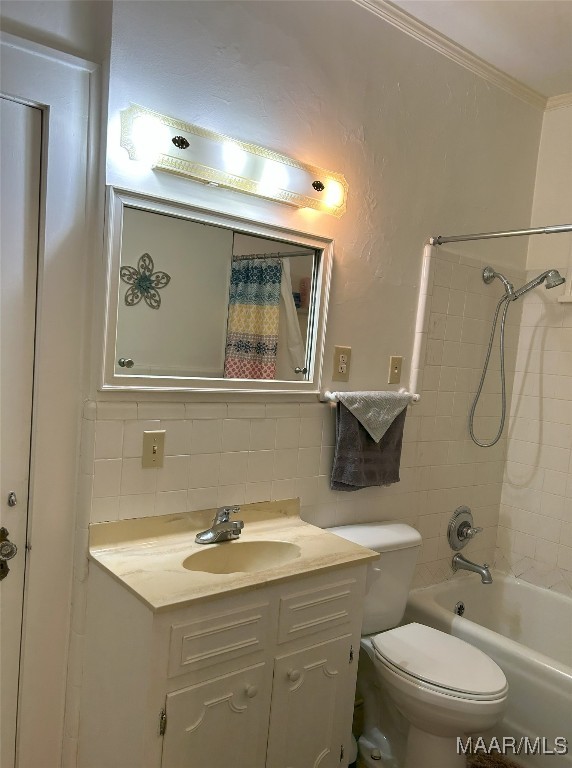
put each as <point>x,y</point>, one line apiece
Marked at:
<point>535,529</point>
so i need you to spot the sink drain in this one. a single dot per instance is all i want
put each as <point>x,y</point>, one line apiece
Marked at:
<point>460,608</point>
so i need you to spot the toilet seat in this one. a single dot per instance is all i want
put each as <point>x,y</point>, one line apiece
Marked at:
<point>440,662</point>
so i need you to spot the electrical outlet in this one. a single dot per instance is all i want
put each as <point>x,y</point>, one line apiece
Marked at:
<point>153,449</point>
<point>395,363</point>
<point>342,360</point>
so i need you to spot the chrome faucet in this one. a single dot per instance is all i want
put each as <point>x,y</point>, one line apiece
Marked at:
<point>461,563</point>
<point>223,528</point>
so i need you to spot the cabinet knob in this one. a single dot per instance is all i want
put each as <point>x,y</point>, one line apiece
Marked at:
<point>251,691</point>
<point>293,675</point>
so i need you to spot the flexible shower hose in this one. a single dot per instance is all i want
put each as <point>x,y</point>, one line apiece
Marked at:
<point>506,301</point>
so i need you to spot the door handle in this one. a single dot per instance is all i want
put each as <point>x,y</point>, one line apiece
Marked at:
<point>8,550</point>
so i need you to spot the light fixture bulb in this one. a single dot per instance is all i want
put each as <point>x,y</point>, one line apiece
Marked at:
<point>149,137</point>
<point>234,158</point>
<point>274,178</point>
<point>334,194</point>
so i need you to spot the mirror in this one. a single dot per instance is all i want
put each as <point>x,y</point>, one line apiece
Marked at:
<point>198,300</point>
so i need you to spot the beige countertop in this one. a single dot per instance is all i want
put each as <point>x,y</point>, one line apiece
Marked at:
<point>146,554</point>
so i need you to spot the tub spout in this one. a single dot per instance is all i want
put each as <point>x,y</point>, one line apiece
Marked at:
<point>461,563</point>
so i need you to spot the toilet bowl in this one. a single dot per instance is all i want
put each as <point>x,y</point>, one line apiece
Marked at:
<point>443,687</point>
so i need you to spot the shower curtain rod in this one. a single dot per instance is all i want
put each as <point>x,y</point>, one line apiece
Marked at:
<point>440,239</point>
<point>275,255</point>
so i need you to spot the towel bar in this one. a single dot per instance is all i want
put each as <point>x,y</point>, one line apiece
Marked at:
<point>326,396</point>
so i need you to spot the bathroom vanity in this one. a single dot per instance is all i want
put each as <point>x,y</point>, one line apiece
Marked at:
<point>218,667</point>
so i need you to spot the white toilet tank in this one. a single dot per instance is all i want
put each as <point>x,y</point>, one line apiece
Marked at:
<point>389,577</point>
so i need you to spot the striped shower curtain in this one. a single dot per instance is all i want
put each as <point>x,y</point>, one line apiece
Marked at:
<point>252,331</point>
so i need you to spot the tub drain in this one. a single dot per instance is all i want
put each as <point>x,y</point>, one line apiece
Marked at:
<point>460,608</point>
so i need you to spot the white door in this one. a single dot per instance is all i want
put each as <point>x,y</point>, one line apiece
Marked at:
<point>19,205</point>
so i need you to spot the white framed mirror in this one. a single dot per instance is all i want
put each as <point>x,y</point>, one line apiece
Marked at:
<point>199,300</point>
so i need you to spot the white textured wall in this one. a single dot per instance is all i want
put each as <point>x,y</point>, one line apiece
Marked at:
<point>535,533</point>
<point>79,27</point>
<point>553,191</point>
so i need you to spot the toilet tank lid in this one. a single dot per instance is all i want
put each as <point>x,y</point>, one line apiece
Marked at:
<point>381,537</point>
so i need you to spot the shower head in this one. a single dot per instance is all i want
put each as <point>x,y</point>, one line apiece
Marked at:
<point>552,277</point>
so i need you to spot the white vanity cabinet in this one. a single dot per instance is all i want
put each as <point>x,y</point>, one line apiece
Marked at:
<point>262,678</point>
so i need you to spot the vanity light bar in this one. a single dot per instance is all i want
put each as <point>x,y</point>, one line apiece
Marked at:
<point>172,145</point>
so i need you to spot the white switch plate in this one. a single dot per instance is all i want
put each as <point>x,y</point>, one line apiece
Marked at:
<point>153,449</point>
<point>395,363</point>
<point>342,362</point>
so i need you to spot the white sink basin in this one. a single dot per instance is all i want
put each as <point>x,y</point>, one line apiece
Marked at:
<point>242,556</point>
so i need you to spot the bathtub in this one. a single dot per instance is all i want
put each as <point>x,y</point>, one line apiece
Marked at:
<point>528,632</point>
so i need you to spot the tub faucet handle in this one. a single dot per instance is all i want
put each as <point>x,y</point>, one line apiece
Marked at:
<point>466,531</point>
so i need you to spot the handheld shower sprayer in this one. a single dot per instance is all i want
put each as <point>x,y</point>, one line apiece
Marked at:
<point>552,278</point>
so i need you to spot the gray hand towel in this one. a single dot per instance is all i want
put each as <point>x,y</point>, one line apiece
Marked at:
<point>360,461</point>
<point>375,410</point>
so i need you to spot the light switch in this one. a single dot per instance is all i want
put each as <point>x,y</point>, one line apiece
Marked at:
<point>395,363</point>
<point>153,449</point>
<point>342,360</point>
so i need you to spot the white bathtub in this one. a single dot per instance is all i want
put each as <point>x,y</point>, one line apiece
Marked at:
<point>528,632</point>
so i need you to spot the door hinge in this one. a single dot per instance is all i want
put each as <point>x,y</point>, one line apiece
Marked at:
<point>341,753</point>
<point>351,653</point>
<point>162,722</point>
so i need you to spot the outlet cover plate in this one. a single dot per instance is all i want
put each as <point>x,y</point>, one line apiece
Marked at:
<point>342,362</point>
<point>395,364</point>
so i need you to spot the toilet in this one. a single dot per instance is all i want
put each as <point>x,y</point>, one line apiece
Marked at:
<point>442,687</point>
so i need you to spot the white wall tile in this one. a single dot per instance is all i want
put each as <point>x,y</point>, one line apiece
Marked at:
<point>260,466</point>
<point>206,436</point>
<point>202,498</point>
<point>106,477</point>
<point>160,410</point>
<point>174,474</point>
<point>308,462</point>
<point>235,435</point>
<point>135,479</point>
<point>285,463</point>
<point>262,434</point>
<point>311,432</point>
<point>108,439</point>
<point>177,437</point>
<point>204,470</point>
<point>137,505</point>
<point>233,468</point>
<point>105,509</point>
<point>288,433</point>
<point>171,502</point>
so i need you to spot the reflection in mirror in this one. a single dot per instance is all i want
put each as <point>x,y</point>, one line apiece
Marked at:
<point>207,301</point>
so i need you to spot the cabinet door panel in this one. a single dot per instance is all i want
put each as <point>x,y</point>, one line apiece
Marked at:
<point>222,722</point>
<point>308,707</point>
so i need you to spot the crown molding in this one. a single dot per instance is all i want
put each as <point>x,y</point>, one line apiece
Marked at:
<point>557,102</point>
<point>445,46</point>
